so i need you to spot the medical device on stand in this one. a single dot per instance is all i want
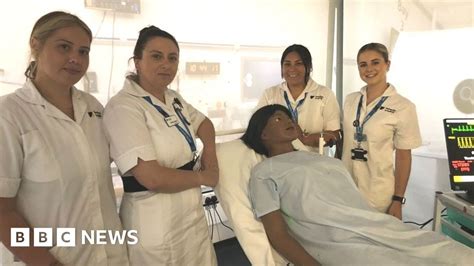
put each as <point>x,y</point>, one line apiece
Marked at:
<point>321,144</point>
<point>331,148</point>
<point>459,221</point>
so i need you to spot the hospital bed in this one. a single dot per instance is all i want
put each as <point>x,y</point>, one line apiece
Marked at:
<point>235,162</point>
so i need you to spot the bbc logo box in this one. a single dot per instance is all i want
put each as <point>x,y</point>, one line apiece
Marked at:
<point>66,237</point>
<point>20,237</point>
<point>42,237</point>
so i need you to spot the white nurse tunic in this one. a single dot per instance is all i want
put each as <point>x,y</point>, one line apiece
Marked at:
<point>59,171</point>
<point>172,228</point>
<point>393,126</point>
<point>319,110</point>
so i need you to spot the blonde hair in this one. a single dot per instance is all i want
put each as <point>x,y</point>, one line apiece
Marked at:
<point>45,27</point>
<point>376,47</point>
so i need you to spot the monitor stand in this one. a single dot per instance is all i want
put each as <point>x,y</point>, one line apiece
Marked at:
<point>467,196</point>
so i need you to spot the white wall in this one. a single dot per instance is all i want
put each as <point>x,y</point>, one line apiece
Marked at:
<point>375,21</point>
<point>276,23</point>
<point>226,32</point>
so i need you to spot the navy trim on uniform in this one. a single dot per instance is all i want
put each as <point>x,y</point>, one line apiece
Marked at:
<point>131,184</point>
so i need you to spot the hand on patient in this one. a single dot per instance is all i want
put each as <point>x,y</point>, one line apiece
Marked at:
<point>313,139</point>
<point>305,138</point>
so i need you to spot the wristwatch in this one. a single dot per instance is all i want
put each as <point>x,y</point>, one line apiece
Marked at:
<point>398,198</point>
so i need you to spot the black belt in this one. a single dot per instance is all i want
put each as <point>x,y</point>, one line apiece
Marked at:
<point>130,183</point>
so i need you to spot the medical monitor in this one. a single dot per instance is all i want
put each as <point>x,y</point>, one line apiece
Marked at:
<point>459,134</point>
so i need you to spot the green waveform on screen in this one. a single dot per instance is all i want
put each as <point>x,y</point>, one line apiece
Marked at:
<point>463,128</point>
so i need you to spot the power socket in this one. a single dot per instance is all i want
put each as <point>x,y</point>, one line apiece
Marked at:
<point>207,198</point>
<point>210,201</point>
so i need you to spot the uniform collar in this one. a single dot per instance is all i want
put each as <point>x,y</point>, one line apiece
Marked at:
<point>390,91</point>
<point>310,86</point>
<point>132,88</point>
<point>29,93</point>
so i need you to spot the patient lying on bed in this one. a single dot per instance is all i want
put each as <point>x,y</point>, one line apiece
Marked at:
<point>313,213</point>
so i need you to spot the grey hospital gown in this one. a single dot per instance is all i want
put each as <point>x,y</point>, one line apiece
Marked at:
<point>328,216</point>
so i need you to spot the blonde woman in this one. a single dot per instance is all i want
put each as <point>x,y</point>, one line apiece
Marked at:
<point>54,164</point>
<point>377,122</point>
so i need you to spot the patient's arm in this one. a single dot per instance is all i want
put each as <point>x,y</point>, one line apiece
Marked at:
<point>283,242</point>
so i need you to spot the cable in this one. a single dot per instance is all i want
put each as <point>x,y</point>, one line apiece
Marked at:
<point>217,230</point>
<point>211,221</point>
<point>87,82</point>
<point>420,225</point>
<point>112,56</point>
<point>220,219</point>
<point>100,25</point>
<point>427,222</point>
<point>410,222</point>
<point>214,201</point>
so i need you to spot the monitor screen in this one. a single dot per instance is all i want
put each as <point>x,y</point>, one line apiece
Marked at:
<point>459,134</point>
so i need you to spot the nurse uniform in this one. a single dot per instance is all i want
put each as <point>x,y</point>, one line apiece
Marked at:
<point>316,107</point>
<point>393,126</point>
<point>172,228</point>
<point>59,171</point>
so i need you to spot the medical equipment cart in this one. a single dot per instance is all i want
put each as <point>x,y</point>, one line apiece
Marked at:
<point>459,221</point>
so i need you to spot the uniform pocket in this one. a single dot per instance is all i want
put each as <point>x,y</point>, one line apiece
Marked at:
<point>153,215</point>
<point>39,164</point>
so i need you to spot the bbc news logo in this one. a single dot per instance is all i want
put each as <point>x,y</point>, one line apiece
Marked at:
<point>66,237</point>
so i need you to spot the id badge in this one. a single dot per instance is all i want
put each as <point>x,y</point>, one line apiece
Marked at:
<point>359,154</point>
<point>360,137</point>
<point>171,120</point>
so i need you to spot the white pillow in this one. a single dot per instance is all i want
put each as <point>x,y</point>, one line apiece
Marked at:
<point>235,162</point>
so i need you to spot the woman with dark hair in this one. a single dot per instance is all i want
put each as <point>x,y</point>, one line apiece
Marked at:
<point>54,159</point>
<point>377,122</point>
<point>312,106</point>
<point>313,213</point>
<point>152,132</point>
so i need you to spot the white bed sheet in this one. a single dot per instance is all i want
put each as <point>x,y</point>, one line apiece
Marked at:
<point>235,162</point>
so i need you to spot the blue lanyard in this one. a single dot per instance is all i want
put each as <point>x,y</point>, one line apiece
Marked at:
<point>186,133</point>
<point>294,112</point>
<point>360,127</point>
